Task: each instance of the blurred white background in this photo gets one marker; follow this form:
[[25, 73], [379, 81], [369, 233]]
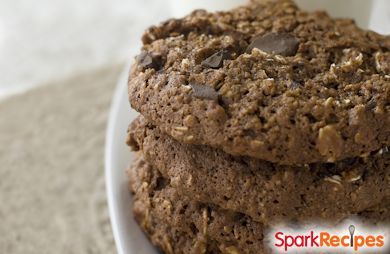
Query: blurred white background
[[45, 40]]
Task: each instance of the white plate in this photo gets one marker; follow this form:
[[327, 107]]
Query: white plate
[[129, 238]]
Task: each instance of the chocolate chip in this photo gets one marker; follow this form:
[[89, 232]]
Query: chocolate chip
[[215, 61], [277, 43], [147, 61], [204, 92], [161, 183]]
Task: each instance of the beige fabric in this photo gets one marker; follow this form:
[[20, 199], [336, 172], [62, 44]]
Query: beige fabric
[[52, 197]]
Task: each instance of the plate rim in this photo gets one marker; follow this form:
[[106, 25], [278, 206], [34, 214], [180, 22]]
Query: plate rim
[[108, 156]]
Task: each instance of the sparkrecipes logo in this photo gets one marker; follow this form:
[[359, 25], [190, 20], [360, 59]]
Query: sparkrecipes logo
[[346, 238]]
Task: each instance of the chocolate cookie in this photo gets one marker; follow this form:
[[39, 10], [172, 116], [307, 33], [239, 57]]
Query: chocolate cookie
[[267, 192], [177, 224], [377, 214], [267, 80]]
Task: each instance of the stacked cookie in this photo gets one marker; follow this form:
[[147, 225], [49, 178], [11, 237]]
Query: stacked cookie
[[259, 116]]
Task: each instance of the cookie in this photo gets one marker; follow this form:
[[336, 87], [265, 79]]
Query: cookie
[[377, 214], [177, 224], [161, 210], [267, 80], [266, 192]]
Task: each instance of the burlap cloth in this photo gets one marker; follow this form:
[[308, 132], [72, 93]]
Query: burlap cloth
[[52, 195]]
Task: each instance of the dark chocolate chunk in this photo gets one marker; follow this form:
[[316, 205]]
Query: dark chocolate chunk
[[204, 92], [277, 43], [147, 60], [215, 61]]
